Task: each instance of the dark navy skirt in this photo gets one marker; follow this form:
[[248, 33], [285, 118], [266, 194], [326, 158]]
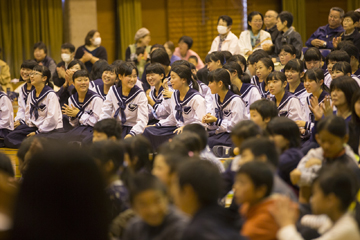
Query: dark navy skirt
[[222, 139], [3, 134], [125, 131], [159, 135], [83, 134]]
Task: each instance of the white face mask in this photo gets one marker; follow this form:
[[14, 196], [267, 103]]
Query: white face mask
[[66, 57], [222, 29], [97, 41]]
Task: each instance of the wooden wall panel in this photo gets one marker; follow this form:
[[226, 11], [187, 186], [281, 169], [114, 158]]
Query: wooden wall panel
[[106, 13]]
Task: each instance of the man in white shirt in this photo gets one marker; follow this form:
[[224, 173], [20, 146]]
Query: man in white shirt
[[226, 40]]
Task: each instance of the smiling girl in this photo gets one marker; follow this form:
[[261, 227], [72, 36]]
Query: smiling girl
[[109, 78], [294, 72], [126, 102], [263, 68]]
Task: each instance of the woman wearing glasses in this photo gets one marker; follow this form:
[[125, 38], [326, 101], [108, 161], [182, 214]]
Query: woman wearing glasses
[[254, 38]]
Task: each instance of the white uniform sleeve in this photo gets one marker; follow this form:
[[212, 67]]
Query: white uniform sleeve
[[53, 114], [208, 98], [90, 119], [7, 114], [237, 114], [288, 233], [74, 121], [295, 111], [170, 120], [308, 174], [27, 113], [107, 107], [142, 115], [20, 115], [200, 107], [254, 95]]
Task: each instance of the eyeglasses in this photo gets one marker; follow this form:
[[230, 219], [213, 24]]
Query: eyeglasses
[[284, 54], [348, 20], [257, 21], [34, 73]]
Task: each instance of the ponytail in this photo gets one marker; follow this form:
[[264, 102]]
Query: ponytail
[[223, 75], [195, 84], [235, 89]]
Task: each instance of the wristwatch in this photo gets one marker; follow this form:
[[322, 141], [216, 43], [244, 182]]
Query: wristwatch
[[324, 45]]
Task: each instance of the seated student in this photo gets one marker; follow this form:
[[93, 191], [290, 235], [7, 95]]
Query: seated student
[[203, 72], [248, 92], [287, 34], [251, 64], [43, 113], [117, 64], [191, 142], [253, 186], [41, 57], [287, 104], [286, 136], [170, 48], [351, 19], [294, 72], [314, 85], [343, 69], [193, 60], [331, 59], [67, 55], [109, 156], [107, 129], [263, 68], [217, 60], [226, 40], [229, 108], [109, 78], [287, 53], [6, 116], [25, 70], [187, 106], [227, 55], [239, 59], [313, 58], [184, 52], [196, 190], [83, 110], [354, 55], [156, 219], [332, 193], [97, 70], [160, 56], [127, 102], [332, 136], [262, 111], [206, 153], [160, 105]]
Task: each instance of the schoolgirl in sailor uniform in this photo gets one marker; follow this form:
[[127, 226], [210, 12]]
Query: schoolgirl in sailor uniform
[[343, 69], [159, 105], [248, 92], [43, 114], [187, 107], [263, 68], [26, 68], [6, 117], [108, 79], [126, 102], [294, 72], [288, 105], [229, 108], [84, 109]]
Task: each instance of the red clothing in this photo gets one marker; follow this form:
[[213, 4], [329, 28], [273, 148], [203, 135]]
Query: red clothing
[[189, 53], [259, 223]]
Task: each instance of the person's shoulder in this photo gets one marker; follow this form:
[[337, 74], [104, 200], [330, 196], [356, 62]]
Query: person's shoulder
[[245, 32]]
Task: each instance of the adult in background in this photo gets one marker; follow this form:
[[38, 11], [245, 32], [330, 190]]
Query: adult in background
[[323, 36], [226, 40], [184, 50], [92, 50], [254, 38], [4, 74], [270, 20], [351, 19], [170, 48], [142, 39], [67, 55], [41, 57]]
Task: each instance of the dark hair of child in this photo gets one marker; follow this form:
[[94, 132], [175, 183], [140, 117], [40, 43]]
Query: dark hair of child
[[126, 69], [173, 148], [185, 72], [354, 117], [193, 57], [334, 125], [68, 46], [160, 56], [313, 54], [191, 141], [256, 56], [106, 151], [28, 64], [223, 75], [262, 146], [218, 56], [350, 49], [288, 48], [6, 165], [338, 56], [111, 127], [98, 69], [80, 73], [200, 131], [347, 85], [260, 174], [239, 59], [316, 74], [227, 55], [295, 64], [205, 179], [140, 50], [287, 128], [267, 63], [266, 108], [207, 59], [111, 68], [144, 182], [76, 61], [276, 76], [45, 73], [343, 67], [235, 67], [286, 16], [157, 46], [188, 40], [140, 153], [246, 129], [156, 68]]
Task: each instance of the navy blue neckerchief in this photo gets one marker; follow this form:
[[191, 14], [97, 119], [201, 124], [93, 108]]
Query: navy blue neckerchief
[[219, 110], [286, 98], [357, 73], [124, 100], [90, 95], [245, 89], [180, 104], [299, 90], [157, 98], [2, 94], [261, 87], [34, 104], [100, 90], [26, 92], [321, 99]]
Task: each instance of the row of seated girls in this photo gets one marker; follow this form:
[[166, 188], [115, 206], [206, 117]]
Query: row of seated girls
[[177, 97]]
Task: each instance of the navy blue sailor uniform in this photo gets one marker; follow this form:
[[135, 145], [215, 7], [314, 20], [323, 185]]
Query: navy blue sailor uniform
[[228, 114], [300, 93], [261, 86], [88, 116], [310, 121], [131, 110], [6, 117], [43, 116], [290, 107], [249, 93], [190, 110], [22, 100]]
